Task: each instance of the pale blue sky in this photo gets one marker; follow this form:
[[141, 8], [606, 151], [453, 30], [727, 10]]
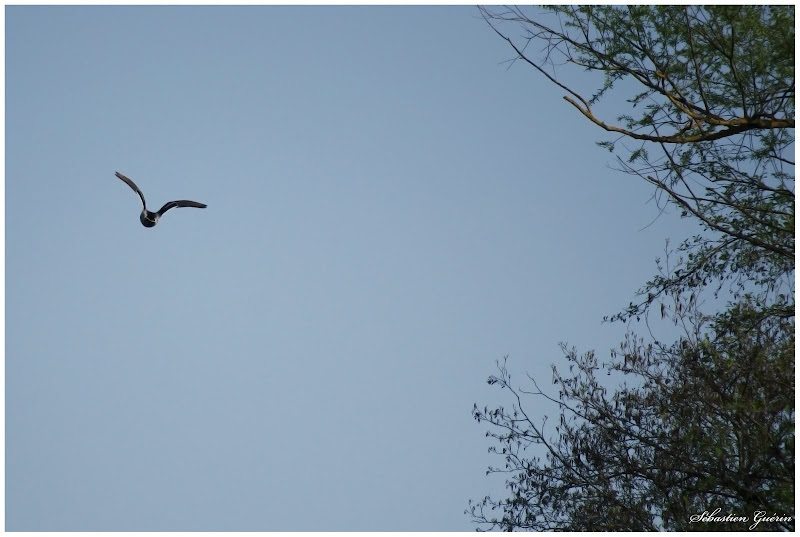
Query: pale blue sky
[[390, 210]]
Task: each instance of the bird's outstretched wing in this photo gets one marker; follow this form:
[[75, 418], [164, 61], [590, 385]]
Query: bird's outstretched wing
[[133, 186], [180, 203]]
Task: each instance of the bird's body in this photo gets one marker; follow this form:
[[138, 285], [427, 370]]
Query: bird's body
[[149, 218]]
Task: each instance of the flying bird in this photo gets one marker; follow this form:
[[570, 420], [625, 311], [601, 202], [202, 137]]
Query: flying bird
[[148, 218]]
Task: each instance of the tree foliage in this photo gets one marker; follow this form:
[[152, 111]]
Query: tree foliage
[[706, 421]]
